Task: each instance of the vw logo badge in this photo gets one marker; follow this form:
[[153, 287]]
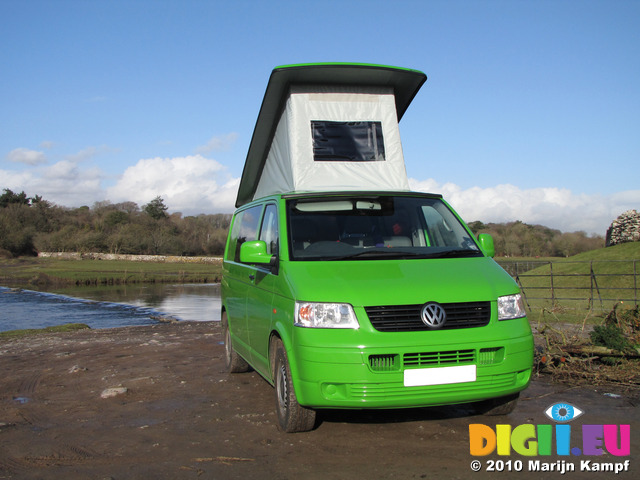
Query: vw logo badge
[[433, 315]]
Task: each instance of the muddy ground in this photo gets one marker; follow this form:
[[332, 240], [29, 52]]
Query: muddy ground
[[183, 417]]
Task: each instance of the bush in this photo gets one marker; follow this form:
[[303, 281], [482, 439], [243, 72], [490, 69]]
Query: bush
[[610, 336]]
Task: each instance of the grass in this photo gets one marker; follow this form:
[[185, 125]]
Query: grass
[[67, 327], [613, 270], [61, 272], [587, 285]]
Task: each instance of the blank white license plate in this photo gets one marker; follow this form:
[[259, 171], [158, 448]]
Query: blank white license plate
[[439, 376]]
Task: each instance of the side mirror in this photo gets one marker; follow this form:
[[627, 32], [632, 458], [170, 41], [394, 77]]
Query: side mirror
[[254, 251], [486, 244]]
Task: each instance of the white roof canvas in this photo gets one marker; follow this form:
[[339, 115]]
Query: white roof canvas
[[291, 164], [330, 127]]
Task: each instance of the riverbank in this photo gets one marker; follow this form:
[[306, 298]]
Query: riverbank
[[67, 327], [76, 269], [156, 402]]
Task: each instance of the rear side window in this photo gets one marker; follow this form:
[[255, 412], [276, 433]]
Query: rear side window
[[245, 228], [347, 141]]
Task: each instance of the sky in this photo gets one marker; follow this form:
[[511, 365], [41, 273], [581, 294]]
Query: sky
[[531, 110]]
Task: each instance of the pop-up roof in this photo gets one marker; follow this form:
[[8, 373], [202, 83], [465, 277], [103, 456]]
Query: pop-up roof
[[329, 127]]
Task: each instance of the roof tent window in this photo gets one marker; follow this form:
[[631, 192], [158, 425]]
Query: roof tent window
[[347, 141]]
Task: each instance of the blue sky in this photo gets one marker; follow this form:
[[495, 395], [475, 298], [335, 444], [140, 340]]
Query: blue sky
[[531, 110]]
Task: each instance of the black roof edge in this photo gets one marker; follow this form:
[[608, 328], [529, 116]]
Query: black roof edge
[[361, 193]]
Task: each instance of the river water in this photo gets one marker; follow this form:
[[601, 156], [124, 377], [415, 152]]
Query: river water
[[108, 307]]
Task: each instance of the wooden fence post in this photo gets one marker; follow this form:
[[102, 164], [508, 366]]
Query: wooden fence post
[[553, 294], [595, 281], [635, 282]]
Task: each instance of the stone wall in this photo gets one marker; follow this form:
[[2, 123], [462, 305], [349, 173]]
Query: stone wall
[[625, 228], [131, 258]]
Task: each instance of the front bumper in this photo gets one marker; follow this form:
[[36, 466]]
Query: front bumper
[[373, 377]]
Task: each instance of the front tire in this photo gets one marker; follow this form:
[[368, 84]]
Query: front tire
[[233, 362], [292, 417]]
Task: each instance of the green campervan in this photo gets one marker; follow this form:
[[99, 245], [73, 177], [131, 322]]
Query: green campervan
[[343, 288]]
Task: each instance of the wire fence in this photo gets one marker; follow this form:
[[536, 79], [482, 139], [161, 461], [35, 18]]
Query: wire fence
[[587, 285]]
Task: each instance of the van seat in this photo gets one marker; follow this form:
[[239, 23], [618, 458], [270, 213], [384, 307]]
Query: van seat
[[304, 233], [397, 241], [358, 231]]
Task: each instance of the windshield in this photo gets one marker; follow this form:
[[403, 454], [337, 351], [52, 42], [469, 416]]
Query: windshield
[[375, 227]]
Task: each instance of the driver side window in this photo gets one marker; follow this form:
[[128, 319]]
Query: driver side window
[[245, 228], [269, 230]]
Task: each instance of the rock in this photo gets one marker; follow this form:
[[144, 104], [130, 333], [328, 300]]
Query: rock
[[625, 228], [113, 392], [164, 318]]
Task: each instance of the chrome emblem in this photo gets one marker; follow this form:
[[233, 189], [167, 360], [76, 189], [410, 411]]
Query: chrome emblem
[[433, 315]]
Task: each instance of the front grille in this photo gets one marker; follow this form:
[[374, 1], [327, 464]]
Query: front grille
[[447, 358], [406, 318], [384, 363], [490, 356]]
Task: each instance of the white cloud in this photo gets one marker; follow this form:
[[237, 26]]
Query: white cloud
[[63, 183], [196, 184], [191, 185], [26, 156], [550, 206], [218, 143], [16, 181], [87, 153]]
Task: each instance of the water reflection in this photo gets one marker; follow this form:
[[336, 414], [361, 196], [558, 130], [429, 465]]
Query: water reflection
[[106, 307], [194, 302]]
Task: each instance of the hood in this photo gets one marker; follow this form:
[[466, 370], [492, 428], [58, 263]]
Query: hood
[[398, 282]]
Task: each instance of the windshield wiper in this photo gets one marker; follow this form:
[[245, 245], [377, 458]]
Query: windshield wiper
[[458, 252], [395, 253], [386, 253]]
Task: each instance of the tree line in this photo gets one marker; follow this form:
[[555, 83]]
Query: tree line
[[32, 224], [29, 225], [517, 239]]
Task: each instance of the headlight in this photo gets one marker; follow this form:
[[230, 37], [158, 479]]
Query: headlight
[[325, 315], [511, 307]]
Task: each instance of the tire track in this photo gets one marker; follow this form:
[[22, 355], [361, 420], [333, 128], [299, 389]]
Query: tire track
[[29, 385], [64, 455], [24, 399], [11, 466]]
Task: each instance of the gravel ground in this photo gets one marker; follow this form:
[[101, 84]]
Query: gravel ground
[[156, 402]]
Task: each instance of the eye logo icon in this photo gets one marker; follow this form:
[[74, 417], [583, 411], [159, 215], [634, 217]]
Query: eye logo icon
[[563, 412]]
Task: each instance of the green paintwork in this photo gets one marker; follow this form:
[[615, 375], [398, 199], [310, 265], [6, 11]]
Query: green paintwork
[[435, 259], [330, 367], [254, 252], [486, 243]]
